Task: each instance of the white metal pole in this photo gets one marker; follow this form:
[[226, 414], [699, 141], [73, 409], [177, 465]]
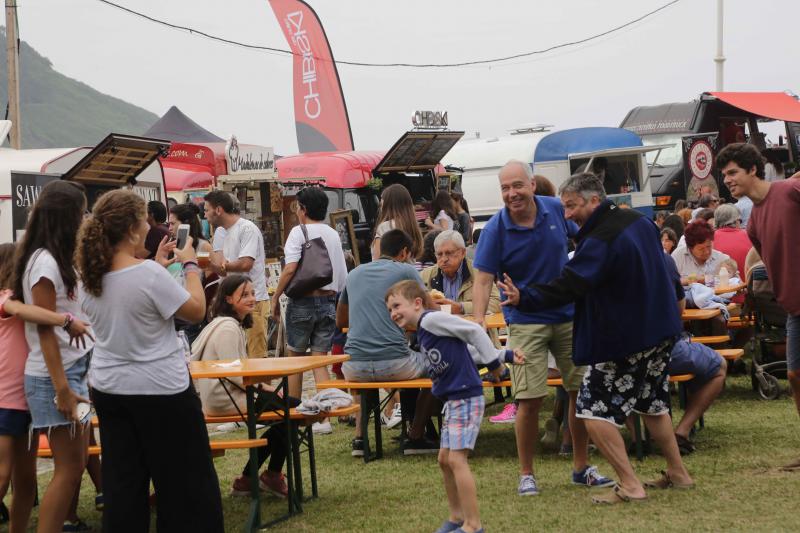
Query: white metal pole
[[720, 58]]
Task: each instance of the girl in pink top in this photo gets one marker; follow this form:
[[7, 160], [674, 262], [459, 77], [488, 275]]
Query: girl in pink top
[[14, 417]]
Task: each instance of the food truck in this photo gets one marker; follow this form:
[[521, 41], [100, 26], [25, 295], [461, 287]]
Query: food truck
[[117, 161], [616, 154], [695, 132]]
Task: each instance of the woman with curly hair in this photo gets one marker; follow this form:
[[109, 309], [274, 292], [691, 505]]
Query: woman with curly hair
[[44, 275], [397, 212], [151, 422]]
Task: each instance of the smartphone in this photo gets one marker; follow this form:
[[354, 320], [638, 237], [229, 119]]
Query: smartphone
[[183, 233]]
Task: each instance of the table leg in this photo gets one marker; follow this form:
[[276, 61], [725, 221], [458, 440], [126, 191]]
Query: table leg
[[377, 420], [298, 473], [290, 478], [365, 411], [254, 519], [312, 461]]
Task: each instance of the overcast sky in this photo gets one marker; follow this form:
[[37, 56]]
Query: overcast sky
[[667, 57]]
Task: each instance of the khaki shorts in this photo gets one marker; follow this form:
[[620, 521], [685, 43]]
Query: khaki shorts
[[257, 334], [529, 379]]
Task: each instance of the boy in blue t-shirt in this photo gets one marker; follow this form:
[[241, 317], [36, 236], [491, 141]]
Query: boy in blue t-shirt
[[452, 346]]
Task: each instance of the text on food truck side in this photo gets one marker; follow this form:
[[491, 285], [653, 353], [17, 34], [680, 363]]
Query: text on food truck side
[[27, 194], [313, 106]]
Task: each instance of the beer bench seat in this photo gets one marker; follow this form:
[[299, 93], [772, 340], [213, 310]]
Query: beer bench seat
[[731, 354], [294, 414], [371, 404], [710, 339], [218, 447]]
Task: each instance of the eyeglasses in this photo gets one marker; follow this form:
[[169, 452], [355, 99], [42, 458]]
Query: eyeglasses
[[447, 255]]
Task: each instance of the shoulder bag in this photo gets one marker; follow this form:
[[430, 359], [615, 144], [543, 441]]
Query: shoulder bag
[[314, 269]]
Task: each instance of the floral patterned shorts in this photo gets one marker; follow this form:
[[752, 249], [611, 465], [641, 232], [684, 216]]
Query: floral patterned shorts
[[612, 390]]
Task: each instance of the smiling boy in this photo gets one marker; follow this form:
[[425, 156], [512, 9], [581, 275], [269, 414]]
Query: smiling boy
[[452, 346]]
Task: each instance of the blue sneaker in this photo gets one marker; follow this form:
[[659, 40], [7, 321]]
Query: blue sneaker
[[591, 477], [527, 486], [448, 526]]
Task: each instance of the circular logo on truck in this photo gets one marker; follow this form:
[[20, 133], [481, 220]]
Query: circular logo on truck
[[701, 159]]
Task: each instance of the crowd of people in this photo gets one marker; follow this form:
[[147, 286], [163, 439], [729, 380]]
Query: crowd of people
[[101, 307]]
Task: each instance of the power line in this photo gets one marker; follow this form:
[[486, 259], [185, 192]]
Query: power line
[[406, 65]]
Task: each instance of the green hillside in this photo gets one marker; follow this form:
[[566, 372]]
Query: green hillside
[[59, 112]]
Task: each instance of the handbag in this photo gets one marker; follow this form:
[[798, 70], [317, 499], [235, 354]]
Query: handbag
[[314, 269]]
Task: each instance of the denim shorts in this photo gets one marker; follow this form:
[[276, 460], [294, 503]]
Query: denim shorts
[[14, 422], [694, 358], [412, 367], [462, 421], [40, 394], [793, 342], [311, 323]]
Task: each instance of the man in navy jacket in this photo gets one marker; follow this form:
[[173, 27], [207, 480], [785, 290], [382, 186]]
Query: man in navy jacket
[[626, 320]]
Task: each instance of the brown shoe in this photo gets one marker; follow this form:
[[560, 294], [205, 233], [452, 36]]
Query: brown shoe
[[614, 496], [666, 482]]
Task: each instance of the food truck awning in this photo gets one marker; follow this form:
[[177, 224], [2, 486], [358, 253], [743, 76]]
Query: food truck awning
[[181, 176], [341, 170], [560, 145], [117, 160], [418, 151], [778, 106]]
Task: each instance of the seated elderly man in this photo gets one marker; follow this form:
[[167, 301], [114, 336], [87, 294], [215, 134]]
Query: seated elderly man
[[454, 276]]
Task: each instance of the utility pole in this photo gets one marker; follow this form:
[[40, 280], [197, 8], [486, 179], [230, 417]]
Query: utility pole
[[719, 59], [12, 54]]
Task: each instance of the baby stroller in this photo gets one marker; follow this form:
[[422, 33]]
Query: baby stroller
[[769, 341]]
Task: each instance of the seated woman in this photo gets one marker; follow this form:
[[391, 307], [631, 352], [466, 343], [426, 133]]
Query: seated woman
[[224, 338], [698, 258]]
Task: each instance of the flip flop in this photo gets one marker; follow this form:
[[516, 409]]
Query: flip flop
[[615, 496], [794, 466], [665, 482]]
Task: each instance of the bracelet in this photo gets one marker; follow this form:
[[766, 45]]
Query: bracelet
[[189, 268], [67, 321], [190, 262]]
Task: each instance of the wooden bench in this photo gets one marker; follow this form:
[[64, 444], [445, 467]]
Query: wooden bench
[[294, 414], [731, 354], [710, 339], [371, 405], [739, 322], [218, 447]]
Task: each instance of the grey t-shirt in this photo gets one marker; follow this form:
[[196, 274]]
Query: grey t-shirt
[[137, 350], [372, 336]]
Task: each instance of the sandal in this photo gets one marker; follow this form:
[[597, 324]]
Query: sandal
[[615, 496], [794, 466], [685, 446], [665, 482]]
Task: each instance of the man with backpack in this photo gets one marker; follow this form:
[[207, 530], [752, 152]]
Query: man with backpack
[[772, 230]]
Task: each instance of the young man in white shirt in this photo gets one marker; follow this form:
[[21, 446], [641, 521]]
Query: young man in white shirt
[[242, 251]]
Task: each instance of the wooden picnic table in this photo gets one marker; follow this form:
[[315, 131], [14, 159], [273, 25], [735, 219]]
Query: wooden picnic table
[[699, 314], [493, 321], [731, 288], [252, 372]]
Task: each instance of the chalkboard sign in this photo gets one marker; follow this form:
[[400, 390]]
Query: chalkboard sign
[[342, 222], [443, 182]]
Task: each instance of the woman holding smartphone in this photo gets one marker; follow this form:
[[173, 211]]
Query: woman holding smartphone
[[151, 422]]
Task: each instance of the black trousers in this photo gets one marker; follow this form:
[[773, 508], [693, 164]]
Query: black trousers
[[163, 439], [275, 449]]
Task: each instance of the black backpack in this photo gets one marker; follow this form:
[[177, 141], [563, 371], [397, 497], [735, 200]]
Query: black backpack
[[761, 301]]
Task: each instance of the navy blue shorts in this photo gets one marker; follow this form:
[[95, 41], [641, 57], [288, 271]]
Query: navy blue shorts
[[694, 358], [14, 422]]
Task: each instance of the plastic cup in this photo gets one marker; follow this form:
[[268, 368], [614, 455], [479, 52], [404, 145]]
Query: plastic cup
[[445, 309]]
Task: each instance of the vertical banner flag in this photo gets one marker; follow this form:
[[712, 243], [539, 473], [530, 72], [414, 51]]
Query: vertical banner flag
[[321, 120]]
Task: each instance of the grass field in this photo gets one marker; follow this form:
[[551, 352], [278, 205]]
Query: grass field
[[739, 487]]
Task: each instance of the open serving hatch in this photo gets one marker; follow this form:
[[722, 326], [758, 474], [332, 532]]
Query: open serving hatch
[[117, 160], [418, 151]]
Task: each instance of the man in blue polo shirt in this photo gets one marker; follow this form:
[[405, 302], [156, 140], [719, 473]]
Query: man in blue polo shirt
[[528, 240]]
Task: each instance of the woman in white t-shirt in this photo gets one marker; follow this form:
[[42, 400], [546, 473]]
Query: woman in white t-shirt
[[311, 318], [151, 422], [441, 215], [55, 371], [397, 212]]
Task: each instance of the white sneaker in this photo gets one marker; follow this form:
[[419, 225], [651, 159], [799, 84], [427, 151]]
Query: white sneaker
[[322, 428], [228, 427], [394, 420]]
